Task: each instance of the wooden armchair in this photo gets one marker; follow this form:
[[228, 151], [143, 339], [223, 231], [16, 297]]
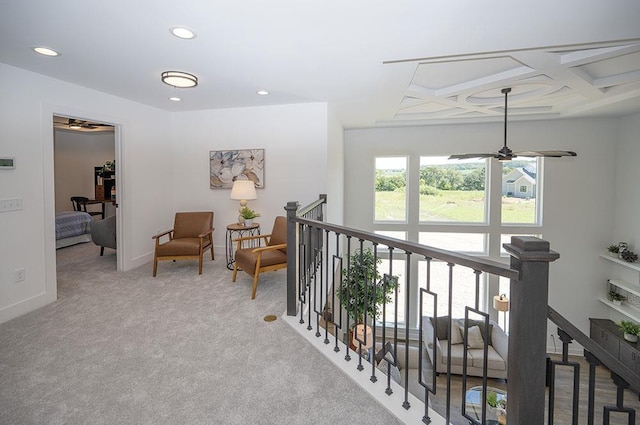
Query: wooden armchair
[[271, 257], [191, 236]]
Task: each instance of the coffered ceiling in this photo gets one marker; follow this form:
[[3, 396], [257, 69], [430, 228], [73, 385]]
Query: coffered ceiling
[[375, 63], [546, 83]]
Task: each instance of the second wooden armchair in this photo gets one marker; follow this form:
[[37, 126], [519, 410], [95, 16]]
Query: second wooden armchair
[[256, 260]]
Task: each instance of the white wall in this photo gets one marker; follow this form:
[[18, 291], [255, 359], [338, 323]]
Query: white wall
[[578, 194], [335, 171], [295, 141], [75, 156], [28, 236], [627, 180]]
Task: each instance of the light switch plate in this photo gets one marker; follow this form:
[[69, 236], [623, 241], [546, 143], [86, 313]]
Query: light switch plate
[[7, 205]]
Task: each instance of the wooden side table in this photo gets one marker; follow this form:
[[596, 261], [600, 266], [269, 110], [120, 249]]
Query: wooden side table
[[235, 231]]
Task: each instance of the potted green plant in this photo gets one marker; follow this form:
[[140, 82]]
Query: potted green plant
[[362, 290], [248, 214], [615, 297], [630, 329], [613, 250]]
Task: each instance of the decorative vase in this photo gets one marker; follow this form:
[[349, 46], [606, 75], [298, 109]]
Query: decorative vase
[[248, 222], [631, 337]]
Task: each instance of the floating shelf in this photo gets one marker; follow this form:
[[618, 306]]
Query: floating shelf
[[632, 266], [625, 309], [629, 287]]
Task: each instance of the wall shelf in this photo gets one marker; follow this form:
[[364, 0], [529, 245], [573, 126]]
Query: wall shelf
[[629, 287], [627, 310], [632, 266]]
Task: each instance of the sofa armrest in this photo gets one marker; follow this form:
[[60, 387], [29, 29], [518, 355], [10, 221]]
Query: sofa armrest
[[500, 342], [428, 332]]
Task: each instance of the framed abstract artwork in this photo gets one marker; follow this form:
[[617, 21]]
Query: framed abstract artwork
[[227, 166]]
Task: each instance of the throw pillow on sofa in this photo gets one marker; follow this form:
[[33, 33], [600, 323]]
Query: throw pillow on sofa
[[475, 339], [387, 367]]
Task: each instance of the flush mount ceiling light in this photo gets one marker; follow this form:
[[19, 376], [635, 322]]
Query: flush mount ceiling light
[[179, 79], [175, 99], [45, 51], [262, 92], [182, 32]]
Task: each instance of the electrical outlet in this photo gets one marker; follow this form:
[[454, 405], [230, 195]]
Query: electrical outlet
[[18, 275]]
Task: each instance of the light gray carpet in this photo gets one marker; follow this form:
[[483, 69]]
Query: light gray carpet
[[127, 348]]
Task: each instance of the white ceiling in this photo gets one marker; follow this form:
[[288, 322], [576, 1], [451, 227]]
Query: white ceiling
[[377, 63]]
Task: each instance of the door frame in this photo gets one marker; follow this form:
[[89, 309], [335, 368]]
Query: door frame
[[48, 111]]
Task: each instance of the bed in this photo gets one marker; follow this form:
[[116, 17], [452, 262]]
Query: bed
[[72, 227]]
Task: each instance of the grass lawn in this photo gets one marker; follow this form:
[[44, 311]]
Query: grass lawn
[[453, 205]]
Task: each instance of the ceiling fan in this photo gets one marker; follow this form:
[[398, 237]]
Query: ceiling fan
[[506, 154], [78, 124]]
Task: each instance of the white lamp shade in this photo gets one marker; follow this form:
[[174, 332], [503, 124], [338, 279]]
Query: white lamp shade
[[243, 190], [501, 303]]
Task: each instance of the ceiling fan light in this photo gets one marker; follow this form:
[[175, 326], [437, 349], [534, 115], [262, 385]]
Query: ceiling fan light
[[179, 79]]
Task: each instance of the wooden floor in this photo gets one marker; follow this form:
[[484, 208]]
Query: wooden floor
[[605, 394]]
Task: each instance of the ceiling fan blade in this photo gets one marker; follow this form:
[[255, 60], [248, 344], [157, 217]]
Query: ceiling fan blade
[[548, 154], [474, 155]]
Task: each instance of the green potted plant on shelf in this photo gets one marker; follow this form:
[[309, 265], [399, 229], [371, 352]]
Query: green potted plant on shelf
[[630, 329], [615, 297], [248, 214], [363, 291], [613, 250]]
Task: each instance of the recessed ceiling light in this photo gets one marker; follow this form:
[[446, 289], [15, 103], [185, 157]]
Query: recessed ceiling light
[[175, 99], [183, 32], [262, 92], [179, 79], [45, 51]]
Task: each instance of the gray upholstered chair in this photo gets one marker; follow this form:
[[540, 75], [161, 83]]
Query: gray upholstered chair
[[256, 260], [103, 233], [190, 238]]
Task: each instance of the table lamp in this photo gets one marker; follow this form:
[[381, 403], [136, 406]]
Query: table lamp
[[501, 303], [243, 190]]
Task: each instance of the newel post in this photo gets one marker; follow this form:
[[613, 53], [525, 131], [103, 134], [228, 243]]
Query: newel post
[[529, 299], [292, 260]]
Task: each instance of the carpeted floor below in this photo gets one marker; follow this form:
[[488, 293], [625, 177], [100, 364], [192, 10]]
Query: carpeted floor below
[[127, 348]]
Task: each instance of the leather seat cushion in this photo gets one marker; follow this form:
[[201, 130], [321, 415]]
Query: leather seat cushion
[[183, 246], [246, 259]]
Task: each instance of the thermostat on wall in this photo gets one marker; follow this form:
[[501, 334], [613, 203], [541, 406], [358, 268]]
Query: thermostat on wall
[[7, 163]]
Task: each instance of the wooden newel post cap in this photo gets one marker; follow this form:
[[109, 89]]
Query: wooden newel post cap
[[530, 248]]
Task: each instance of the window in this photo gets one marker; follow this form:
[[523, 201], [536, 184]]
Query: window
[[452, 190], [448, 205], [520, 206], [390, 189]]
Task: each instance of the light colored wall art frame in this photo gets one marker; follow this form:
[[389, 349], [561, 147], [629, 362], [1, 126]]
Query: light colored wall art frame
[[227, 166]]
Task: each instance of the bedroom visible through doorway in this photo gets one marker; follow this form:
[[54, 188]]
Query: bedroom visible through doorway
[[84, 153]]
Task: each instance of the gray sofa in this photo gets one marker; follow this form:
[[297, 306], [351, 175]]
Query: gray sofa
[[498, 352], [103, 233]]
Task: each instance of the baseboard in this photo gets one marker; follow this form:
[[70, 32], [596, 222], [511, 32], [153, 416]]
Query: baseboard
[[25, 306]]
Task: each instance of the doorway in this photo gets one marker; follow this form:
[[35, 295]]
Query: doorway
[[85, 157]]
